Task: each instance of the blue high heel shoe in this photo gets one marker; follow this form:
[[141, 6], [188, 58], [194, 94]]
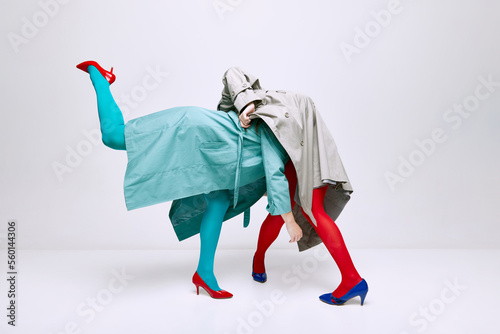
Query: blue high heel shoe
[[360, 289], [261, 278], [258, 277]]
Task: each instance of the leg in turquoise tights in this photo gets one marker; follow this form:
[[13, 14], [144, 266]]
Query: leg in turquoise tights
[[211, 224], [110, 115], [113, 136]]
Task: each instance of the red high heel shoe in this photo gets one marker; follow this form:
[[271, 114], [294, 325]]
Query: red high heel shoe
[[221, 294], [108, 75]]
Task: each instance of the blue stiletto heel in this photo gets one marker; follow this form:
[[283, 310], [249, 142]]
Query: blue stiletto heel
[[258, 277], [360, 289]]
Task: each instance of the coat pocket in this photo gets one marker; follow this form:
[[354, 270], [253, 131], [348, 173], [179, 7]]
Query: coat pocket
[[218, 153]]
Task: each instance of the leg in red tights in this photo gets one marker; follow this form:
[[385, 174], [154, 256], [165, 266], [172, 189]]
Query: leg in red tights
[[332, 238], [326, 229], [272, 225]]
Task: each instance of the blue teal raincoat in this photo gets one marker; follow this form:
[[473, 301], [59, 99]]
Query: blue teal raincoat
[[182, 153]]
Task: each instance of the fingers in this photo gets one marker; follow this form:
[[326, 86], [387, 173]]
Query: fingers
[[245, 120], [250, 108], [295, 236], [245, 126]]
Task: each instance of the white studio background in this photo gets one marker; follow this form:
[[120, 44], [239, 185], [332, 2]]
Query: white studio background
[[389, 78]]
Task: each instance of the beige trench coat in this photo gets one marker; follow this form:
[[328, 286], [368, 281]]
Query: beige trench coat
[[298, 126]]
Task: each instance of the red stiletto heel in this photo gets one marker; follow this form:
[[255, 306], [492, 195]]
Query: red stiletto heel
[[221, 294], [108, 75]]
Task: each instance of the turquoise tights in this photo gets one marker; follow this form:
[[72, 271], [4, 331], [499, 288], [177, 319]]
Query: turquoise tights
[[211, 224], [113, 136], [110, 115]]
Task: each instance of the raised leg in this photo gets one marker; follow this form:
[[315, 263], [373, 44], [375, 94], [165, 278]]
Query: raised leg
[[211, 224], [110, 115]]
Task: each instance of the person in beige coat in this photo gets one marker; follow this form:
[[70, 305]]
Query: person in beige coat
[[319, 186]]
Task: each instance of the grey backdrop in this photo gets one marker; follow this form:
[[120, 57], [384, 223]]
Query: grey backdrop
[[409, 89]]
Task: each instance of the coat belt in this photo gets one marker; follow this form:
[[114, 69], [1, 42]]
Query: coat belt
[[239, 160]]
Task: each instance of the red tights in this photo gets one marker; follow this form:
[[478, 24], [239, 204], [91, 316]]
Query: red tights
[[326, 229]]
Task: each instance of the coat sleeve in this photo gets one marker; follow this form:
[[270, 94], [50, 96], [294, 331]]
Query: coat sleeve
[[238, 90], [278, 195]]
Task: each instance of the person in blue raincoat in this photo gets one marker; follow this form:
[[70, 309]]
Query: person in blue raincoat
[[204, 161]]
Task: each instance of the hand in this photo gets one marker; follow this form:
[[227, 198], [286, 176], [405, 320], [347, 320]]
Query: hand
[[294, 231], [244, 119], [292, 227]]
